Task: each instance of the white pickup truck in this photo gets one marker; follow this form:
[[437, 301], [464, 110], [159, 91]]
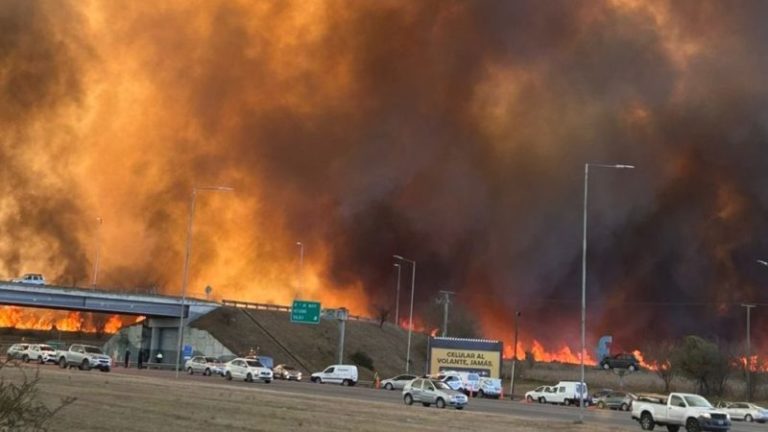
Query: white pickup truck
[[690, 411], [84, 357]]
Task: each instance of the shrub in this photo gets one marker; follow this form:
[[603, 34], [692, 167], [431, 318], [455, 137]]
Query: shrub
[[362, 359], [20, 407]]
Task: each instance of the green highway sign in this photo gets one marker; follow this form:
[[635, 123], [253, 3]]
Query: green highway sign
[[305, 312]]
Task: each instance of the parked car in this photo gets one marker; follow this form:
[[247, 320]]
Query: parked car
[[247, 369], [345, 375], [569, 393], [745, 411], [16, 351], [621, 401], [397, 382], [429, 392], [204, 365], [690, 411], [453, 379], [287, 372], [539, 394], [30, 278], [84, 357], [40, 353], [620, 361], [267, 361], [489, 388]]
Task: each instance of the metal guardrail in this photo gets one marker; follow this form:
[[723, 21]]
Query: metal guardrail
[[282, 308]]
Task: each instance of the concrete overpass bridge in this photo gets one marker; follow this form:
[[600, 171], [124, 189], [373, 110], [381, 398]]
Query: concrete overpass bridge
[[158, 333]]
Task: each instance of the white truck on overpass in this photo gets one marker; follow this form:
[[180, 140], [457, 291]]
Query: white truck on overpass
[[690, 411]]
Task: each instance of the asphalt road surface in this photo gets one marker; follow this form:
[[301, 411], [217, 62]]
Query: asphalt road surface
[[519, 409]]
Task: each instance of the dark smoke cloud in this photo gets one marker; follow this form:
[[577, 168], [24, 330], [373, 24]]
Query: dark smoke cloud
[[453, 133]]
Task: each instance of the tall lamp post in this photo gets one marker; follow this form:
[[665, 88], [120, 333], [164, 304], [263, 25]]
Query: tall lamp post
[[397, 296], [410, 314], [185, 278], [301, 264], [98, 252], [584, 279], [514, 360]]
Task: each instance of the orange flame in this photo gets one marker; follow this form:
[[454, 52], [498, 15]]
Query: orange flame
[[36, 319]]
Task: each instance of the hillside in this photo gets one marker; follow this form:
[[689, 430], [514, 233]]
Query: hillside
[[313, 347]]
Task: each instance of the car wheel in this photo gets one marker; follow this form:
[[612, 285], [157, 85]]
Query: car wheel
[[25, 358], [228, 376], [62, 363], [40, 360], [440, 403], [389, 386], [529, 399], [692, 425], [207, 372], [632, 368], [345, 383], [606, 366], [190, 371], [85, 365], [480, 394], [624, 407], [748, 418], [408, 399], [320, 380], [567, 402], [646, 422], [601, 405], [249, 378], [542, 400]]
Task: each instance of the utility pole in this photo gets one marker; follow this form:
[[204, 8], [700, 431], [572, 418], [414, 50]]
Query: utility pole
[[514, 361], [397, 296], [445, 300], [341, 315], [748, 307]]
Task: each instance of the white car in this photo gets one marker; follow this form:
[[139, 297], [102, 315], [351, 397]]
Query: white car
[[345, 375], [30, 278], [16, 351], [398, 382], [745, 411], [539, 394], [40, 353], [203, 365], [429, 391], [490, 388], [248, 370]]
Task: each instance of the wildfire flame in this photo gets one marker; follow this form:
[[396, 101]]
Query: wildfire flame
[[34, 319]]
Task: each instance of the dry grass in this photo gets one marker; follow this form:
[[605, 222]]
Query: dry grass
[[138, 403]]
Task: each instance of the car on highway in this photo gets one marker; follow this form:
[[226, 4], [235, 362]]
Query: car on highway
[[744, 411], [287, 372], [615, 400], [568, 393], [249, 370], [16, 351], [30, 278], [204, 365], [539, 394], [41, 353], [686, 410], [84, 357], [397, 382], [345, 375], [620, 361], [489, 388], [433, 392]]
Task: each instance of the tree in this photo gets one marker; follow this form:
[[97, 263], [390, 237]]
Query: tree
[[659, 356], [382, 313], [703, 362]]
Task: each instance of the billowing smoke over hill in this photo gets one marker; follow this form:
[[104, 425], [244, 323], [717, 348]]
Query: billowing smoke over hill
[[453, 133]]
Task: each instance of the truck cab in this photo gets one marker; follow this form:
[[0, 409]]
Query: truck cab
[[687, 410]]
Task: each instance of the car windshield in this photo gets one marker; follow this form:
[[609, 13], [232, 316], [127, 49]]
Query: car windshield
[[93, 350], [697, 402], [441, 385], [46, 348], [254, 363], [211, 360]]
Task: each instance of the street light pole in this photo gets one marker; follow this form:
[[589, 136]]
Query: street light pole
[[410, 314], [185, 277], [749, 351], [397, 296], [514, 361], [301, 264], [584, 280], [98, 252]]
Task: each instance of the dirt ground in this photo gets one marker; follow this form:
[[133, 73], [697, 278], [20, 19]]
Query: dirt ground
[[135, 403]]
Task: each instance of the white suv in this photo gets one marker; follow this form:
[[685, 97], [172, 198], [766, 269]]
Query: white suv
[[30, 278], [248, 370], [41, 353]]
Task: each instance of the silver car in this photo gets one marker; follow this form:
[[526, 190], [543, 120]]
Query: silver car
[[745, 411], [398, 382], [428, 392], [286, 372], [203, 365], [17, 351]]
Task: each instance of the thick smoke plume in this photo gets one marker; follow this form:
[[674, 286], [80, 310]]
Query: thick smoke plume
[[453, 133]]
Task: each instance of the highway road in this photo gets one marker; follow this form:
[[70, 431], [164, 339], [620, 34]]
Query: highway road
[[518, 409]]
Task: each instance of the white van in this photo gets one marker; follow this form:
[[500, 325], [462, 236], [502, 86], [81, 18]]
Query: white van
[[466, 382], [569, 393], [345, 375]]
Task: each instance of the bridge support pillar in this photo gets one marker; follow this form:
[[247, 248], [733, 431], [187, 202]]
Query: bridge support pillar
[[154, 343]]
